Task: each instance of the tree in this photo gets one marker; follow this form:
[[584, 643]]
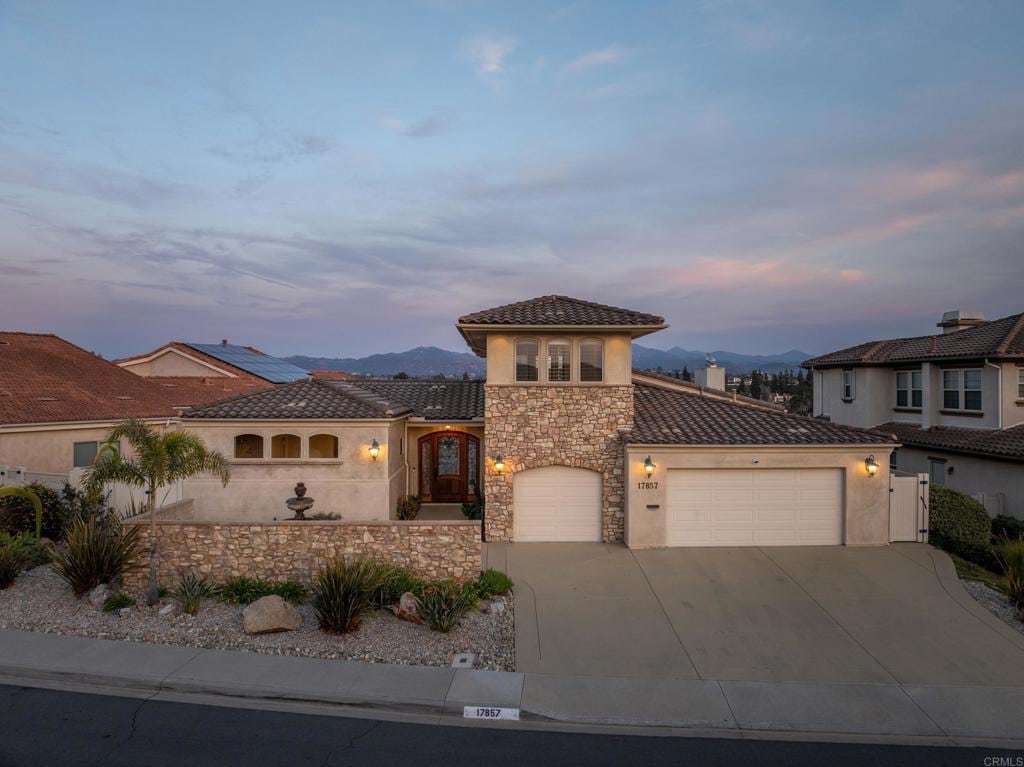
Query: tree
[[158, 460], [687, 375], [755, 384], [402, 376], [465, 375]]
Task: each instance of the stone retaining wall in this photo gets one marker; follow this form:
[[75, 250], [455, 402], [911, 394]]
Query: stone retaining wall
[[297, 550]]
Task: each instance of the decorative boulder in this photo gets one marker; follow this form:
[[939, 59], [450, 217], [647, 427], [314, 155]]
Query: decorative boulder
[[270, 614], [99, 595], [408, 608]]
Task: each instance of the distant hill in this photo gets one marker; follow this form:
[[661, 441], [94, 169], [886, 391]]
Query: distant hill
[[429, 361]]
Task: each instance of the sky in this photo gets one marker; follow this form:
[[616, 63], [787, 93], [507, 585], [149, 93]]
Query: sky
[[339, 179]]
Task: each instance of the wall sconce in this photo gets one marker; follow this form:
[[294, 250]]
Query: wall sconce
[[374, 449], [871, 465], [499, 464], [649, 467]]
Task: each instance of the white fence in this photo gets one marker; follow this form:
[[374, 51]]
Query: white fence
[[908, 507]]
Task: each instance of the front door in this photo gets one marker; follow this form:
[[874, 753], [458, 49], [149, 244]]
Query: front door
[[449, 463]]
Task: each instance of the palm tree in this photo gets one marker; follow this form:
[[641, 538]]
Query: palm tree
[[158, 460]]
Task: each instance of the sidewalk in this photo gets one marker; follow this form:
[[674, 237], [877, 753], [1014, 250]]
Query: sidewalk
[[953, 715]]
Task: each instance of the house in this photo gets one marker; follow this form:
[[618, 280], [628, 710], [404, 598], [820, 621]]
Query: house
[[563, 440], [955, 400]]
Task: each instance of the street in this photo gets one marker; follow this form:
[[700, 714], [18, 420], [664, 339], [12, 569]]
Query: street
[[64, 729]]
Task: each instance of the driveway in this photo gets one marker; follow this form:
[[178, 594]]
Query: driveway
[[894, 614]]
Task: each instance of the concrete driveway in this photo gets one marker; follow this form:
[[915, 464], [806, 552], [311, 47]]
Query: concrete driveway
[[893, 614]]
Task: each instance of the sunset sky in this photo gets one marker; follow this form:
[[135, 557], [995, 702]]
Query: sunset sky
[[339, 179]]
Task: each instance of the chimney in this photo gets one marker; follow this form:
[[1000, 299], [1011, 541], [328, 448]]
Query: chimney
[[711, 376], [960, 319], [223, 342]]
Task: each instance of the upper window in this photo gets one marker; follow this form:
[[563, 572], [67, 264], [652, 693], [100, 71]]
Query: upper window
[[848, 384], [592, 360], [85, 454], [908, 389], [248, 446], [285, 446], [527, 350], [961, 389], [559, 361], [1020, 384], [323, 446]]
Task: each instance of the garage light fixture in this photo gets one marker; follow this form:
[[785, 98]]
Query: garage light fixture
[[499, 463], [649, 466], [374, 449], [871, 465]]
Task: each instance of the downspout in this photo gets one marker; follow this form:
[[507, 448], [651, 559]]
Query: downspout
[[999, 392]]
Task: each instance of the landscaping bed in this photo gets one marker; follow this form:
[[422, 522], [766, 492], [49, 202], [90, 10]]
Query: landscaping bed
[[40, 601], [996, 602]]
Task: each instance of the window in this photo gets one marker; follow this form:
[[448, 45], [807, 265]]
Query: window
[[559, 361], [85, 454], [323, 446], [248, 446], [908, 389], [848, 381], [527, 351], [285, 446], [937, 471], [961, 389], [592, 360], [1020, 384]]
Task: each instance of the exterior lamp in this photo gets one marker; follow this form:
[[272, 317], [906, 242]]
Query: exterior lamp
[[871, 465], [649, 467], [499, 463], [374, 449]]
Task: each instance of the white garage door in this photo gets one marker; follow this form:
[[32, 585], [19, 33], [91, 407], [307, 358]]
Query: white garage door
[[755, 507], [556, 503]]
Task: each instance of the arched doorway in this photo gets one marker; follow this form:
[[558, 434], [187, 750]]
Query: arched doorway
[[449, 467]]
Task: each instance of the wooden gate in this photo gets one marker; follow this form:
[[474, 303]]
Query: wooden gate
[[908, 507]]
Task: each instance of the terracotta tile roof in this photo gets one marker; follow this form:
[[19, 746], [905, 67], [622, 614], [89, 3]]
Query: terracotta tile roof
[[669, 417], [1000, 338], [998, 443], [640, 376], [560, 310], [242, 361], [45, 379], [194, 391], [434, 400], [310, 399], [186, 349], [338, 375]]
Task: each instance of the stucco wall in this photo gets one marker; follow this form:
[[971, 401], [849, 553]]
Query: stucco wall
[[352, 485], [534, 426], [973, 475], [618, 357], [866, 513], [50, 449], [297, 550], [172, 364]]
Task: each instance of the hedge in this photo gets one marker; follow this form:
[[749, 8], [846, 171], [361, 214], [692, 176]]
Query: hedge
[[960, 525]]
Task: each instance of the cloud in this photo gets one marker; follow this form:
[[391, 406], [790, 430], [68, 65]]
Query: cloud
[[488, 54], [274, 151], [599, 57], [424, 128]]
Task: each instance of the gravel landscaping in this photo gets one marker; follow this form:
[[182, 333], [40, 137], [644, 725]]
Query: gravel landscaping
[[996, 602], [40, 601]]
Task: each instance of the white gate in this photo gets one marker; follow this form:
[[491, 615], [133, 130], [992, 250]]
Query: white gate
[[908, 507]]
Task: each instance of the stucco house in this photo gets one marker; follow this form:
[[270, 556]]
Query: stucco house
[[563, 440], [955, 400], [241, 368]]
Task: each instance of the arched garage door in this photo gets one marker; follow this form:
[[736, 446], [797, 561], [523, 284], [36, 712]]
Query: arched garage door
[[556, 503]]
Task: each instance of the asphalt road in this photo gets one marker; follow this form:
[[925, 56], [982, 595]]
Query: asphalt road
[[46, 727]]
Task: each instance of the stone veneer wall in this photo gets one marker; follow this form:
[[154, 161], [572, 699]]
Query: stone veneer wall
[[535, 426], [297, 550]]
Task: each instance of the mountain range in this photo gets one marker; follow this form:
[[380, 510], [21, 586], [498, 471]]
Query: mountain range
[[428, 361]]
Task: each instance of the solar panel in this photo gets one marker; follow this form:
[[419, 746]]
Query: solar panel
[[269, 368]]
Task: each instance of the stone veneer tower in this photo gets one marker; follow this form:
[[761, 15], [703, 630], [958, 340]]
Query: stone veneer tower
[[559, 392]]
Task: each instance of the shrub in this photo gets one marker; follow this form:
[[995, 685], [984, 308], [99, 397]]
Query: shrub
[[16, 552], [473, 510], [17, 515], [408, 507], [1004, 527], [97, 551], [443, 603], [343, 591], [493, 583], [191, 591], [1011, 555], [244, 591], [395, 580], [117, 602], [960, 525]]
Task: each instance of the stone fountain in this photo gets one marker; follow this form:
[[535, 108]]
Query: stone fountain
[[300, 504]]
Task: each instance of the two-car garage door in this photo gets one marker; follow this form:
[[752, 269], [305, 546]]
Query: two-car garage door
[[754, 507]]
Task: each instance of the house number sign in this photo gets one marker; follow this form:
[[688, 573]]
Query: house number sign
[[646, 485]]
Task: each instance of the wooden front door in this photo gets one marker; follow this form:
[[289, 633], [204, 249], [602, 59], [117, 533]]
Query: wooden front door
[[449, 466]]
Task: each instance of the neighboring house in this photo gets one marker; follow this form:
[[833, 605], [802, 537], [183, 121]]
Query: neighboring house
[[954, 400], [564, 441]]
